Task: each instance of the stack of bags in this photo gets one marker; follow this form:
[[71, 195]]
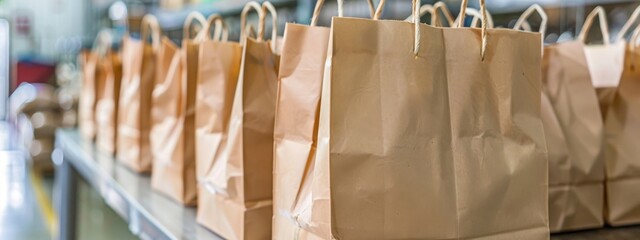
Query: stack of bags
[[41, 112], [68, 91], [351, 132], [373, 128], [97, 108], [589, 105], [421, 133]]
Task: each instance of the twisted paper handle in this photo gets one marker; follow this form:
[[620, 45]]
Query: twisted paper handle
[[221, 32], [378, 11], [188, 23], [527, 13], [483, 11], [435, 17], [253, 5], [416, 23]]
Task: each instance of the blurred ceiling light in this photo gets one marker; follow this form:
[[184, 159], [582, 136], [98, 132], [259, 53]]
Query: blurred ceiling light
[[118, 11]]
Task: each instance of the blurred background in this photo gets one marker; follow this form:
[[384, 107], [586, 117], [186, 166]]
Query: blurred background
[[40, 41]]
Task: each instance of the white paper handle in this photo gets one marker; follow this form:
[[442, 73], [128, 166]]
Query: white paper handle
[[424, 9], [103, 42], [416, 23], [527, 13], [476, 18], [221, 32], [378, 12], [598, 11], [433, 10], [625, 28], [188, 22], [435, 21]]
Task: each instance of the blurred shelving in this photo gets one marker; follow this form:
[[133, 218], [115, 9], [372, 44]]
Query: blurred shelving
[[171, 19]]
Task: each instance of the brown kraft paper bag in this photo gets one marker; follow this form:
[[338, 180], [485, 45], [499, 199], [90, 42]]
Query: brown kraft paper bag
[[88, 94], [134, 112], [300, 77], [94, 75], [622, 152], [107, 103], [304, 52], [576, 190], [557, 149], [217, 77], [418, 139], [238, 186], [173, 130]]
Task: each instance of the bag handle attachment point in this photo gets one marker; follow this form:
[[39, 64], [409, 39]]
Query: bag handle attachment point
[[483, 33]]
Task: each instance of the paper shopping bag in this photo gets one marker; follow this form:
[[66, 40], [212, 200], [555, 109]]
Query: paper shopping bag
[[107, 103], [217, 77], [87, 100], [93, 78], [300, 77], [296, 119], [218, 73], [418, 139], [557, 149], [622, 152], [576, 196], [134, 111], [238, 187], [173, 130]]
